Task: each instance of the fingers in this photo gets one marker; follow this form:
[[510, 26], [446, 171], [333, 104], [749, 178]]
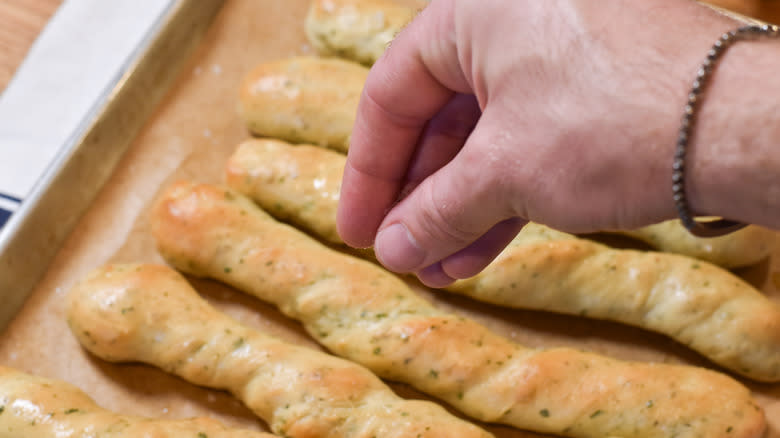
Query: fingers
[[469, 261], [442, 138], [474, 258], [452, 208], [401, 94]]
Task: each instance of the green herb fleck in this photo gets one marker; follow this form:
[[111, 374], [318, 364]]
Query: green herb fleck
[[239, 342], [649, 404], [127, 309], [434, 374], [729, 429], [228, 269], [377, 351], [381, 315], [404, 414], [695, 266], [460, 395], [71, 411], [544, 413], [2, 409], [202, 435], [596, 414]]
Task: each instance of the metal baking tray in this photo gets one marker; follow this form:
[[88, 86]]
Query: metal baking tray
[[83, 163], [70, 187]]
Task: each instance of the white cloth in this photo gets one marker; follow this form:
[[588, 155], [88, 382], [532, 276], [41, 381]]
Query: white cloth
[[69, 72]]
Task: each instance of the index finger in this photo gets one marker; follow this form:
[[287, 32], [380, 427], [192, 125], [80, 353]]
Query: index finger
[[402, 92]]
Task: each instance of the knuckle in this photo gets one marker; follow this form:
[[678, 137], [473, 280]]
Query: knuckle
[[442, 217]]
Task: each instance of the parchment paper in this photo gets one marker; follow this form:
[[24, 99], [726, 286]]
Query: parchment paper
[[191, 135]]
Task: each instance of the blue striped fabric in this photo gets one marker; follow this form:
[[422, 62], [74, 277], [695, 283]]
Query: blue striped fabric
[[8, 205]]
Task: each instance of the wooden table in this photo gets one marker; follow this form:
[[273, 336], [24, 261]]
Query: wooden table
[[20, 23], [22, 20]]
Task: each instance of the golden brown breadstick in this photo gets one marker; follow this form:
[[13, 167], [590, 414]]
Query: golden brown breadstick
[[303, 100], [700, 305], [745, 247], [709, 309], [36, 407], [299, 184], [359, 30], [151, 314], [366, 314]]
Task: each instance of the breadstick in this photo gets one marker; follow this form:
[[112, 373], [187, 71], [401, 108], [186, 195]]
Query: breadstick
[[700, 305], [36, 407], [745, 247], [363, 313], [151, 314], [706, 308], [359, 30], [299, 184], [303, 100]]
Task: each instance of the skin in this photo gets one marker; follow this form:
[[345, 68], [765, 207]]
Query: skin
[[482, 116]]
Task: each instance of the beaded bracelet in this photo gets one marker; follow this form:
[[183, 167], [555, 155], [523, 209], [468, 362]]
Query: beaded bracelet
[[721, 226]]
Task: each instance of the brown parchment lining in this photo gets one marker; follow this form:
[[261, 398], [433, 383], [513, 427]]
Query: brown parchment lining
[[190, 136]]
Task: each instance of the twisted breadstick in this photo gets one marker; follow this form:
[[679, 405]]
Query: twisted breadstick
[[150, 314], [745, 247], [35, 407], [699, 305], [359, 30], [363, 313], [299, 184], [310, 100]]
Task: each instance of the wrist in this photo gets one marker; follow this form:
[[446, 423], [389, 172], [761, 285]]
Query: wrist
[[733, 161]]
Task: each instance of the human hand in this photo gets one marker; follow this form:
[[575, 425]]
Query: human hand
[[485, 114]]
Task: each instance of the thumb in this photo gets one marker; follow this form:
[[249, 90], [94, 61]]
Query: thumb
[[453, 208]]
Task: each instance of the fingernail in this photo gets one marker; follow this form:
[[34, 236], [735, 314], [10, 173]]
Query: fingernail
[[397, 250]]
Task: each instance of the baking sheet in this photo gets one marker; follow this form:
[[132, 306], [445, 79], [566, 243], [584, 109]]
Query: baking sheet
[[90, 142], [190, 136]]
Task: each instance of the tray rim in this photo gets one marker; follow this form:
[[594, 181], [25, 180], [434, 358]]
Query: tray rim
[[35, 233]]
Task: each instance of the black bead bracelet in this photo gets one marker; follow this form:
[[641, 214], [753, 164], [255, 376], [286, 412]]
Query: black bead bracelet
[[711, 228]]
